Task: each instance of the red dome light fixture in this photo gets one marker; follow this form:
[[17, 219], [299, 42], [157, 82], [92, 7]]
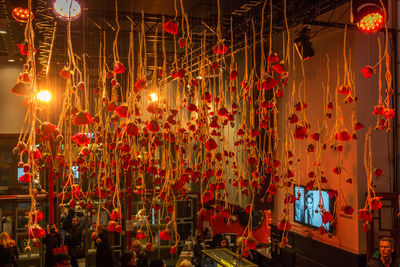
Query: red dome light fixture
[[21, 14], [67, 10], [370, 15]]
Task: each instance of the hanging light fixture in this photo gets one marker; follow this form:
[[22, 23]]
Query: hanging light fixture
[[303, 43], [67, 9], [370, 15], [21, 14]]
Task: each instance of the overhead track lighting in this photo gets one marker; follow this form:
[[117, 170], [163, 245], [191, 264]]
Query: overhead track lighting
[[67, 10], [370, 15], [303, 43]]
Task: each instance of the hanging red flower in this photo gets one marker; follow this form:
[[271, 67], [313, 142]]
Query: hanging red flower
[[293, 119], [116, 215], [358, 126], [366, 227], [23, 49], [300, 106], [375, 203], [122, 111], [182, 42], [208, 196], [344, 90], [268, 84], [131, 129], [250, 242], [326, 217], [20, 89], [273, 58], [348, 210], [378, 172], [251, 160], [233, 75], [285, 225], [337, 170], [223, 112], [378, 110], [389, 113], [173, 250], [211, 144], [65, 73], [181, 73], [119, 68], [26, 178], [140, 85], [192, 108], [220, 49], [279, 93], [279, 68], [35, 231], [171, 27], [367, 71], [153, 126], [315, 136], [165, 235], [343, 136], [272, 189], [310, 185], [81, 139], [332, 193], [300, 132], [214, 65], [82, 118], [364, 215]]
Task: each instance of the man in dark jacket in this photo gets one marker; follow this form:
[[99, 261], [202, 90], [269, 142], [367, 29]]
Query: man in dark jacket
[[73, 239], [52, 240], [385, 257], [104, 257]]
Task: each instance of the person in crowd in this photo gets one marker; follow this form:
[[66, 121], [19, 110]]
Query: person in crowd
[[8, 251], [52, 239], [62, 260], [73, 240], [223, 243], [140, 254], [309, 212], [128, 259], [104, 256], [385, 257], [185, 263], [197, 248], [158, 263]]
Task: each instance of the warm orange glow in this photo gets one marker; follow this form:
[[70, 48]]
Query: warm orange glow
[[44, 96], [21, 14], [371, 23], [153, 97]]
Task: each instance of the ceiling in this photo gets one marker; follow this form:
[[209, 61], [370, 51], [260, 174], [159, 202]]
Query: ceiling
[[99, 18]]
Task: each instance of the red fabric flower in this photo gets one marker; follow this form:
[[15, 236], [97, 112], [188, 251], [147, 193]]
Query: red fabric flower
[[358, 126], [364, 215], [165, 235], [344, 90], [23, 49], [192, 107], [119, 68], [26, 178], [250, 242], [36, 231], [208, 196], [273, 58], [82, 118], [279, 93], [375, 203], [131, 129], [140, 85], [367, 71], [211, 144], [284, 225], [268, 84], [337, 170], [171, 27], [293, 119], [181, 73], [65, 73], [234, 74], [343, 136], [153, 126], [81, 139], [326, 217], [173, 250], [116, 215], [348, 210], [272, 189], [300, 132], [315, 136], [279, 68], [140, 235], [122, 111], [378, 110], [389, 113], [310, 185], [332, 193], [366, 227], [182, 42], [378, 172], [220, 49], [47, 129], [300, 106], [20, 89]]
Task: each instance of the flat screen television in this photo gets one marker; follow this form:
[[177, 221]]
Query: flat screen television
[[307, 209]]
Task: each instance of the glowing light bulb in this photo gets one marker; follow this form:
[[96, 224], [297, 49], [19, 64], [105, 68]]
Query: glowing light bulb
[[67, 9], [371, 23], [44, 96], [153, 97]]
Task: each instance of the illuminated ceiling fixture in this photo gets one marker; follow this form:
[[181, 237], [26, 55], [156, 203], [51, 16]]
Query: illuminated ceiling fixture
[[153, 97], [370, 15], [44, 96], [67, 9], [21, 14], [303, 43]]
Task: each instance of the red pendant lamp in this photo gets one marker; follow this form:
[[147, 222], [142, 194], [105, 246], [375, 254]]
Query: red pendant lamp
[[370, 15]]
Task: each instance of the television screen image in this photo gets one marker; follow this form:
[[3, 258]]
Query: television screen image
[[306, 207]]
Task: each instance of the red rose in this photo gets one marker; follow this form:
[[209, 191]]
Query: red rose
[[165, 235], [82, 118], [233, 75], [375, 203], [300, 132], [171, 27], [220, 49], [119, 68], [367, 71], [273, 58], [279, 68]]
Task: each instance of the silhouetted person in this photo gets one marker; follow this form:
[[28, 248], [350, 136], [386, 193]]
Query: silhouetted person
[[140, 254], [128, 259], [8, 251], [73, 239], [52, 239], [104, 257]]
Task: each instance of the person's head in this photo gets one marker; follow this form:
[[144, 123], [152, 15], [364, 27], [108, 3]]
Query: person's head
[[309, 201], [137, 246], [53, 228], [62, 260], [75, 221], [185, 263], [128, 258], [6, 240], [223, 243], [386, 246], [157, 263]]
